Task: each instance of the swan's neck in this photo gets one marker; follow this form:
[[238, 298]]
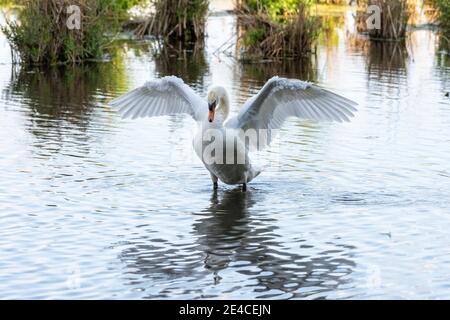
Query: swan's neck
[[223, 108]]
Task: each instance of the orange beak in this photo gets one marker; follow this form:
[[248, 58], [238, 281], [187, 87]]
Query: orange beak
[[211, 115]]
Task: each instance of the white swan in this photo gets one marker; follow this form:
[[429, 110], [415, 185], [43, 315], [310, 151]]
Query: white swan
[[278, 99]]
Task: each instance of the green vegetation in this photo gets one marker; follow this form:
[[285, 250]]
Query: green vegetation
[[6, 3], [339, 2], [394, 18], [121, 6], [277, 29], [277, 10], [178, 19], [41, 34], [443, 7]]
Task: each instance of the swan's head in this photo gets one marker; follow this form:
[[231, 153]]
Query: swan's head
[[217, 98]]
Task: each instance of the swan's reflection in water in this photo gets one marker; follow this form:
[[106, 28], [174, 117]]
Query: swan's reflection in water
[[237, 253], [223, 228]]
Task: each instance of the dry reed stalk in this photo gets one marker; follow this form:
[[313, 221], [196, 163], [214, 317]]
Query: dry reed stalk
[[178, 19], [394, 16], [264, 38]]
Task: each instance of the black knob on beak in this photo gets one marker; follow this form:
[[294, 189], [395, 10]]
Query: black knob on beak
[[212, 106]]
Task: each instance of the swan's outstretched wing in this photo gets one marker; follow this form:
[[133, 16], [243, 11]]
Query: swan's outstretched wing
[[281, 98], [168, 95]]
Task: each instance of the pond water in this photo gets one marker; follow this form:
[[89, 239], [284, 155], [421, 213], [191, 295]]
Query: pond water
[[92, 206]]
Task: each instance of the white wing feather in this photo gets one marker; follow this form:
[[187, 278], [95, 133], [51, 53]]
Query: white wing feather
[[281, 98], [165, 96]]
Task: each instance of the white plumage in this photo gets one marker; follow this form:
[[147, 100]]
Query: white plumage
[[278, 99], [169, 95]]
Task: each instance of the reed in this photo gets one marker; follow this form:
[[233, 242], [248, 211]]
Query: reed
[[335, 2], [276, 32], [177, 20], [394, 16], [443, 7], [41, 34]]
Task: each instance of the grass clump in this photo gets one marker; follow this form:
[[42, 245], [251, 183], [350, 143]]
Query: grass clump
[[277, 29], [443, 7], [41, 34], [334, 2], [443, 15], [394, 16], [183, 20]]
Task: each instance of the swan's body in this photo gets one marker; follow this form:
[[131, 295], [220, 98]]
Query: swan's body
[[229, 173], [230, 163]]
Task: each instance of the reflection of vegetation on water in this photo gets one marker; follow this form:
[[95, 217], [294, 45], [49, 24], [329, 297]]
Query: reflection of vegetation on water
[[357, 44], [383, 58], [58, 91], [387, 58], [137, 48], [63, 98], [444, 42], [187, 61], [443, 65], [443, 7], [304, 69], [442, 69], [330, 26]]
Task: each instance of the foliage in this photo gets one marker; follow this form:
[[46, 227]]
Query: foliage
[[394, 18], [179, 19], [41, 34], [277, 10], [337, 2], [277, 28], [444, 14]]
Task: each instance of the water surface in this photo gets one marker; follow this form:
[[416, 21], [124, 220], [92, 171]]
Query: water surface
[[92, 206]]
